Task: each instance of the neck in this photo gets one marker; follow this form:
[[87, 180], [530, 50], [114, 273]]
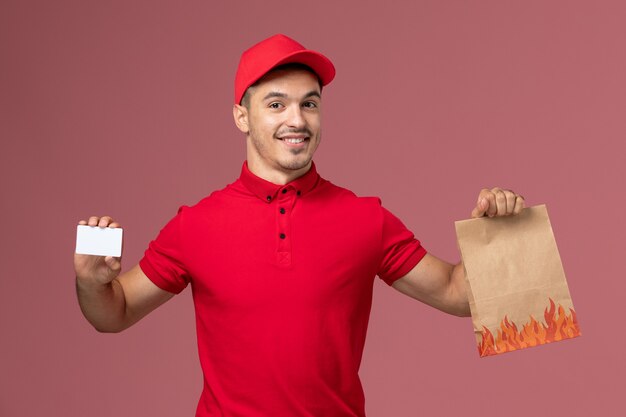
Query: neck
[[276, 175]]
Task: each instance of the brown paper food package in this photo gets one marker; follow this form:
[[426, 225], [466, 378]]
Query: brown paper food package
[[517, 289]]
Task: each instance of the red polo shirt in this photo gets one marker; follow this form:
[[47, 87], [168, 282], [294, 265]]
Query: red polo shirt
[[282, 279]]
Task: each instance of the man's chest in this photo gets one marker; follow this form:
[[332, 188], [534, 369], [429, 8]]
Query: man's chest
[[291, 253]]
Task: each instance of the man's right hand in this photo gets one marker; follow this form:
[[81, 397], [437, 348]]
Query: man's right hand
[[97, 270], [111, 301]]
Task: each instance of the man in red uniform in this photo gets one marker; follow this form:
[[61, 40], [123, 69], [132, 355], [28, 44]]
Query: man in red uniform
[[281, 262]]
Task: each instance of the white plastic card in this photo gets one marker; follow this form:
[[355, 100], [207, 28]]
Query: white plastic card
[[102, 241]]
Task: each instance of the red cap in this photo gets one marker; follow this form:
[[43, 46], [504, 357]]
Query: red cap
[[277, 50]]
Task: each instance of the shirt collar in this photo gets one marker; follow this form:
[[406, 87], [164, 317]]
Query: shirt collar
[[267, 191]]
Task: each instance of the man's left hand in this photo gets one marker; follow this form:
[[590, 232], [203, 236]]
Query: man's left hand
[[497, 202]]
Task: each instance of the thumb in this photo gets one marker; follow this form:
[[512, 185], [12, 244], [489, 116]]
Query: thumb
[[481, 208], [115, 264]]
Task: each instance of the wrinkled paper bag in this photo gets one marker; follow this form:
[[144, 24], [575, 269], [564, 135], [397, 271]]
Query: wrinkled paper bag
[[515, 280]]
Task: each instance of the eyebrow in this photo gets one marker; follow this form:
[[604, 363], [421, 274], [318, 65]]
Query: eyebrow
[[278, 94]]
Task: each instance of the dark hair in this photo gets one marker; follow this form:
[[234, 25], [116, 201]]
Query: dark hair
[[245, 100]]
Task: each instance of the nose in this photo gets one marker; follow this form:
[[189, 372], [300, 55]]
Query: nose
[[295, 118]]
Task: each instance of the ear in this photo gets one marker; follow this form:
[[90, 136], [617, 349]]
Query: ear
[[240, 114]]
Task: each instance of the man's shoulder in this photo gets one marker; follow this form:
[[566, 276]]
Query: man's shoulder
[[346, 196], [231, 193]]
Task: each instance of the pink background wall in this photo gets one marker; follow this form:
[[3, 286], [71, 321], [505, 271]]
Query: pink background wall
[[124, 108]]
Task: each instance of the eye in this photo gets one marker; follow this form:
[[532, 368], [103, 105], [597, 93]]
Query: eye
[[275, 105], [309, 104]]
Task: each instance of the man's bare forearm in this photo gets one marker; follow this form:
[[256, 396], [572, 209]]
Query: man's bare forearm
[[457, 287], [437, 283], [103, 305]]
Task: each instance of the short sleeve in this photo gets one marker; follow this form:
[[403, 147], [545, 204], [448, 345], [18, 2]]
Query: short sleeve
[[401, 251], [163, 261]]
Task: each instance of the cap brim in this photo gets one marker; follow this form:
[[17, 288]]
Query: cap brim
[[321, 65]]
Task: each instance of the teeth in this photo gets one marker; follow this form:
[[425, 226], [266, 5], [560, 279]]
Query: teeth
[[293, 140]]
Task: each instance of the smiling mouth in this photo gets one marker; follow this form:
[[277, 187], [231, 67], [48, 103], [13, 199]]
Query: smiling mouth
[[293, 141]]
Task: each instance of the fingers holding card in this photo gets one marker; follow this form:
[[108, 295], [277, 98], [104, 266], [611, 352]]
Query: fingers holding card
[[103, 221]]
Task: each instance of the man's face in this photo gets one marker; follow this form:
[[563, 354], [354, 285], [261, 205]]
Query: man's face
[[282, 122]]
